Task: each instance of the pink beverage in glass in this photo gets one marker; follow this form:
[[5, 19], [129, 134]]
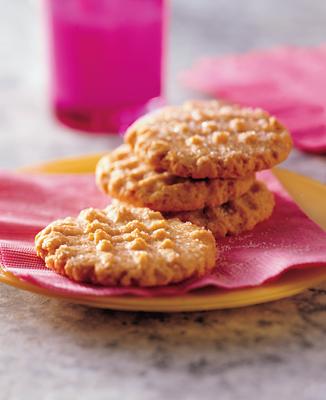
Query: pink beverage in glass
[[107, 58]]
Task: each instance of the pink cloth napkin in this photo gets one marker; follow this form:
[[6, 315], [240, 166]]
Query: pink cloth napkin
[[289, 82], [29, 202]]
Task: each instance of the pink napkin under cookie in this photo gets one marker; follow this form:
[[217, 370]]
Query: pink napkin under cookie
[[289, 82], [29, 202]]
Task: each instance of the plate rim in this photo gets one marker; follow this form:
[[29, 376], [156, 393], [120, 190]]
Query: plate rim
[[188, 302], [267, 292]]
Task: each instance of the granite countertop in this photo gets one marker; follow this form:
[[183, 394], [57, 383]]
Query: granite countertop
[[51, 349]]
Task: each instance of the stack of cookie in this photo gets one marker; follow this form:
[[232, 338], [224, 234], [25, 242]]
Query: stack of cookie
[[197, 162]]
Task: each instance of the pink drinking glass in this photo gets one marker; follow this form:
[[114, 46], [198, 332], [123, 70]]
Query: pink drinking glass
[[106, 61]]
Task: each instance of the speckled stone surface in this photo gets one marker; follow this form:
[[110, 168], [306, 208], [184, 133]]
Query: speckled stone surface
[[51, 349]]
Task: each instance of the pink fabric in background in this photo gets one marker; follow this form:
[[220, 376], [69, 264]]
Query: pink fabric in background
[[29, 202], [289, 82]]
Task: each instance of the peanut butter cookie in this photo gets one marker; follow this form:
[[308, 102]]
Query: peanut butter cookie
[[126, 246], [235, 216], [122, 175], [208, 139]]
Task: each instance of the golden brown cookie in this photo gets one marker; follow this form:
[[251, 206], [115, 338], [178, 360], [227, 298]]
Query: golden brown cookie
[[121, 175], [208, 139], [235, 216], [126, 246]]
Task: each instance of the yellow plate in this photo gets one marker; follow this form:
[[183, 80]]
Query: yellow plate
[[308, 194]]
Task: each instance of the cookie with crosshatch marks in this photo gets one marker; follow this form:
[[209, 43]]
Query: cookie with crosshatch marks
[[236, 216], [209, 139], [122, 175], [126, 246]]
